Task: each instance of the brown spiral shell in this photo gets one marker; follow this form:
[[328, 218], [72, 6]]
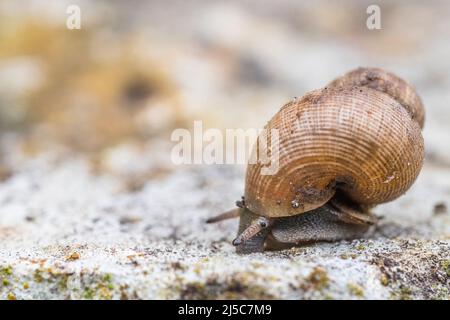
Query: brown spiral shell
[[386, 82], [357, 140]]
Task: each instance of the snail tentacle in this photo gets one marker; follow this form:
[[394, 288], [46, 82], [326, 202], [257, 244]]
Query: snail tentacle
[[230, 214], [253, 229]]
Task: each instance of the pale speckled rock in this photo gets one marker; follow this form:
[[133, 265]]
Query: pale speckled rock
[[66, 233]]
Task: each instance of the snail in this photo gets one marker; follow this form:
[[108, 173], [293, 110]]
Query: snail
[[342, 150]]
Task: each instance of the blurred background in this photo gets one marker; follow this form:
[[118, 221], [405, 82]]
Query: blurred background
[[114, 90]]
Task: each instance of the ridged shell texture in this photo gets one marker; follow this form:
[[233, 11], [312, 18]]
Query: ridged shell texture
[[360, 137]]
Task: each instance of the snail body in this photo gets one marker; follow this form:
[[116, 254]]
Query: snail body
[[342, 150]]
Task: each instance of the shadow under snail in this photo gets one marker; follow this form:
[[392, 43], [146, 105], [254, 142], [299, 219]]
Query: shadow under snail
[[342, 150]]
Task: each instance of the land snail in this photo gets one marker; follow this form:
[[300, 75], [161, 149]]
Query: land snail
[[342, 150]]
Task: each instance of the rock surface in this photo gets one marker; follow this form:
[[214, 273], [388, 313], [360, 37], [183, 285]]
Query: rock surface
[[68, 233]]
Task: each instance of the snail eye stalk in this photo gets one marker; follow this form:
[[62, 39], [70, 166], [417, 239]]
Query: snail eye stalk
[[253, 229], [234, 213]]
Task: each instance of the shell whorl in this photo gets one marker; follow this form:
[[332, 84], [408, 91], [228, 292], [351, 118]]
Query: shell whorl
[[388, 83], [358, 140]]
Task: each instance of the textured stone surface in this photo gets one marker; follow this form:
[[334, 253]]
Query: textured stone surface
[[67, 233]]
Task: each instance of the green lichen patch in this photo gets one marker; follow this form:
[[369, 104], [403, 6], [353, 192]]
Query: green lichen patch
[[236, 286], [445, 265], [404, 293], [384, 279], [6, 274], [38, 277], [415, 272], [442, 294], [6, 271], [318, 279], [51, 281], [11, 296], [100, 287], [355, 290]]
